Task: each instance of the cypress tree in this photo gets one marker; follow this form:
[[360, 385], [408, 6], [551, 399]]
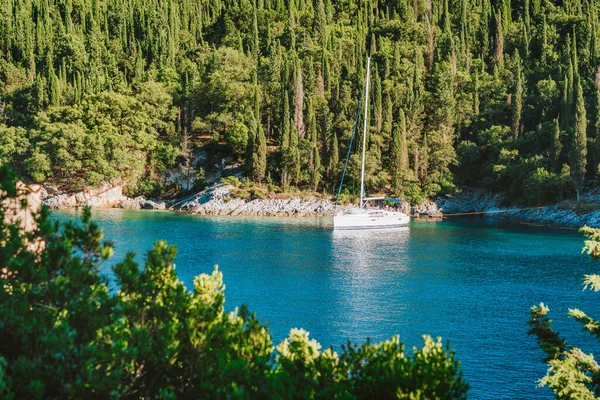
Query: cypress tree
[[596, 149], [499, 50], [565, 104], [570, 94], [544, 55], [334, 159], [579, 146], [284, 139], [387, 117], [517, 99], [316, 172], [312, 121], [255, 39], [299, 104], [259, 153], [476, 94], [574, 55], [404, 143], [378, 109], [321, 23], [399, 152], [556, 146], [447, 28]]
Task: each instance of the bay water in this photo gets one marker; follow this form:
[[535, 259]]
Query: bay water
[[470, 281]]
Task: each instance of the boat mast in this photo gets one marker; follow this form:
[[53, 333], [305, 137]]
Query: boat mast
[[364, 142]]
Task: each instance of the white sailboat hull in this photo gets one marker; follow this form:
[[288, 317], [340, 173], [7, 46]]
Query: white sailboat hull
[[370, 219]]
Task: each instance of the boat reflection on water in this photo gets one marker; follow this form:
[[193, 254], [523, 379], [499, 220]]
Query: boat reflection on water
[[368, 265], [362, 241]]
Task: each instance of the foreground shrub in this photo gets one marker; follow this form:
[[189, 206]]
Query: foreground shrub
[[65, 334], [572, 373]]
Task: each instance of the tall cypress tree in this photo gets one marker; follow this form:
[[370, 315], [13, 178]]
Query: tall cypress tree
[[499, 42], [259, 153], [579, 146], [399, 152], [476, 94], [556, 146], [517, 99], [334, 159], [378, 94], [299, 103], [316, 172], [596, 150], [284, 139]]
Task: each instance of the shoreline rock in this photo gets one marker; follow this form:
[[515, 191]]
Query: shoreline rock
[[104, 197], [218, 200]]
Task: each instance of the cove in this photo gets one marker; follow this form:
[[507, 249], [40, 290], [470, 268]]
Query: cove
[[470, 281]]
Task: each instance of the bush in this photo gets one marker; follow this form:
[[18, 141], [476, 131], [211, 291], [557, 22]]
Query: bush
[[199, 178], [347, 198], [542, 187], [148, 187], [66, 334], [258, 193], [39, 166], [572, 374], [231, 180], [413, 193], [237, 138], [239, 194]]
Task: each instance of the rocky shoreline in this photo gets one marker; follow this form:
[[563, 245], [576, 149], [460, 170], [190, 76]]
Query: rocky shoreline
[[562, 215], [220, 199], [104, 197]]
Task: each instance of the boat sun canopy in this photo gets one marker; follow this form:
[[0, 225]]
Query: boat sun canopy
[[392, 200]]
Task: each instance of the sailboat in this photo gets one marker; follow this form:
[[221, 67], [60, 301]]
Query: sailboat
[[365, 217]]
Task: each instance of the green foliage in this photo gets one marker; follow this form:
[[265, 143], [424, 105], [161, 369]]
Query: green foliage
[[545, 187], [572, 373], [239, 194], [231, 180], [66, 334], [237, 138], [106, 91]]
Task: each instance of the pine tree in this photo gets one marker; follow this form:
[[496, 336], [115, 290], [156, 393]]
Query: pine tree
[[579, 146]]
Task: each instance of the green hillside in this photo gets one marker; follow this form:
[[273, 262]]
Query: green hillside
[[499, 94]]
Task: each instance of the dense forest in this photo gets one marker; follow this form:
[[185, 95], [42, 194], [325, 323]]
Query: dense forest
[[499, 94]]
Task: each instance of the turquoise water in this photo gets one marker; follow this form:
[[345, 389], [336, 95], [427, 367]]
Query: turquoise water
[[470, 281]]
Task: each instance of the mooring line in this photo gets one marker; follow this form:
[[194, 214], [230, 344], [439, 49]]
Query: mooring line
[[492, 212]]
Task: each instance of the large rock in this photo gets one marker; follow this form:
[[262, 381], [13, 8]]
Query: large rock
[[105, 197], [426, 210], [22, 211], [217, 200]]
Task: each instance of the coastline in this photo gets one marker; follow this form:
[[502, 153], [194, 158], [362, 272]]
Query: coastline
[[221, 200], [566, 214]]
